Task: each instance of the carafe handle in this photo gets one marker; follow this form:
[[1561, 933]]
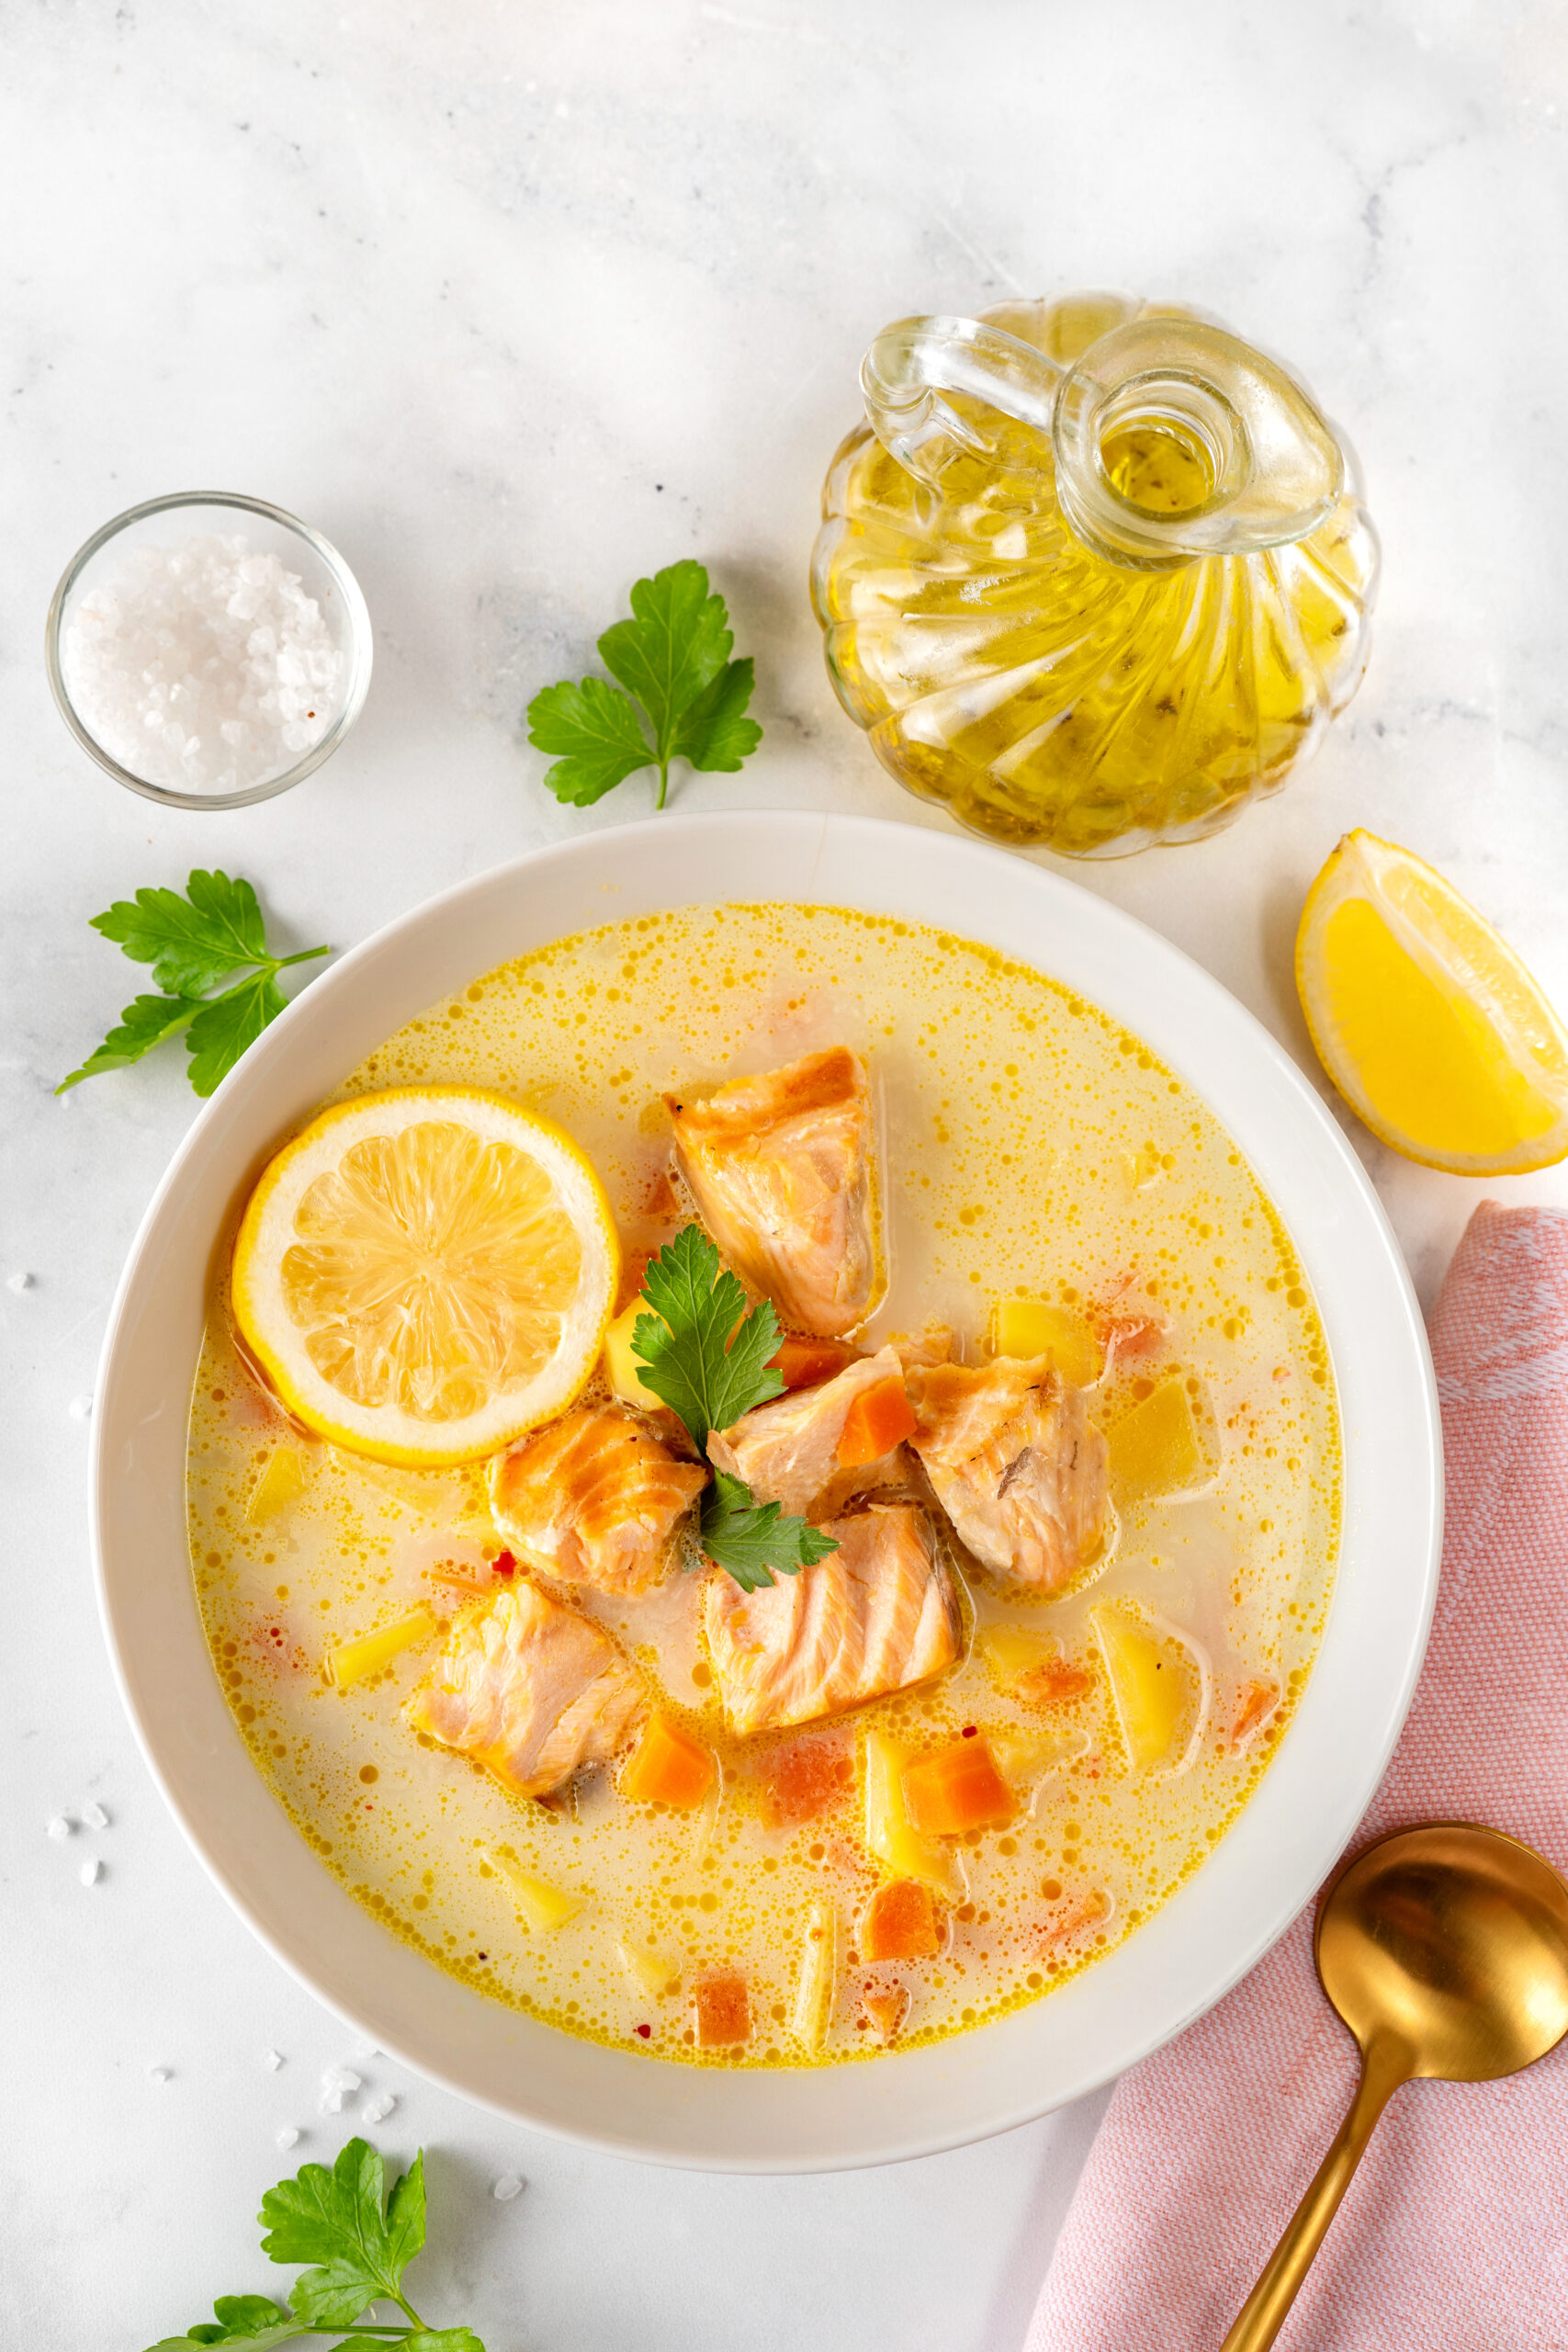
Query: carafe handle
[[916, 363]]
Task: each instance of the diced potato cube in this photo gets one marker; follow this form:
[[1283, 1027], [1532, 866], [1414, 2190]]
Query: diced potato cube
[[651, 1972], [1027, 1758], [1148, 1683], [1027, 1326], [816, 1985], [889, 1835], [899, 1923], [352, 1661], [622, 1368], [1154, 1447], [721, 2011], [1011, 1650], [542, 1905], [278, 1484]]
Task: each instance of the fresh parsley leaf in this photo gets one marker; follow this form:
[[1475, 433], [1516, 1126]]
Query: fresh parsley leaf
[[225, 1025], [335, 2220], [143, 1024], [750, 1540], [672, 660], [247, 2314], [360, 2241], [191, 940], [242, 2319], [674, 647], [211, 932], [704, 1351], [714, 731], [599, 734]]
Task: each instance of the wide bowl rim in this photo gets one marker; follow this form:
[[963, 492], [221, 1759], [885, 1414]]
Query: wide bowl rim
[[359, 646], [1187, 1961]]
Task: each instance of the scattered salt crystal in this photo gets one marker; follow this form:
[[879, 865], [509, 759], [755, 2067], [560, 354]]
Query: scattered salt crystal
[[59, 1828], [274, 2061], [95, 1817], [91, 1873], [289, 2136], [81, 1409], [338, 2083], [506, 2188], [18, 1283], [159, 2074], [203, 666], [376, 2110]]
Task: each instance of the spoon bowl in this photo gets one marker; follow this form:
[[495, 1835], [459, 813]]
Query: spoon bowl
[[1445, 1949], [1454, 1941]]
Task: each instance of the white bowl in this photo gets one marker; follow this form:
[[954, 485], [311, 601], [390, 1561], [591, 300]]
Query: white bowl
[[1264, 1869]]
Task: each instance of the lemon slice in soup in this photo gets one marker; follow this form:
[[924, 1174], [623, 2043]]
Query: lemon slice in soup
[[425, 1273]]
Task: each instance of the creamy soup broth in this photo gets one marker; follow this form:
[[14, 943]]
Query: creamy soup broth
[[1029, 1147]]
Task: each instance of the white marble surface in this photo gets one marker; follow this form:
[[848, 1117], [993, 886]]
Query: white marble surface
[[518, 301]]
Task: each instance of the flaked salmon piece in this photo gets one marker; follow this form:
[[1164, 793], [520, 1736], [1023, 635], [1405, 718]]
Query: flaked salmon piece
[[595, 1499], [788, 1451], [918, 1351], [780, 1169], [1016, 1464], [876, 1616], [530, 1690]]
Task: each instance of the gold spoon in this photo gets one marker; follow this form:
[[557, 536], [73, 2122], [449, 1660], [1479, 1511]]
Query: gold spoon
[[1445, 1949]]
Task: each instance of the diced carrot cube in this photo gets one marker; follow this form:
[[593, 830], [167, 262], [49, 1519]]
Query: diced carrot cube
[[957, 1788], [899, 1923], [667, 1767], [802, 1778], [721, 2011], [881, 1418], [1254, 1702], [805, 1363], [1053, 1682], [884, 2008]]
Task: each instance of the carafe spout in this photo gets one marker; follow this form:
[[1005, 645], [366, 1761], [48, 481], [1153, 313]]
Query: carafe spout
[[1175, 439]]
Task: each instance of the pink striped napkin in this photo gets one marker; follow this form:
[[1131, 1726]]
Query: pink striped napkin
[[1454, 2234]]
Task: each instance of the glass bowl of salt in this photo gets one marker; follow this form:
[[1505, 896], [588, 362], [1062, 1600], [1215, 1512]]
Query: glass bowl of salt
[[209, 650]]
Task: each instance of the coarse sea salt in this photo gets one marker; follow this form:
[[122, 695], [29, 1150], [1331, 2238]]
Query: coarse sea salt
[[203, 666]]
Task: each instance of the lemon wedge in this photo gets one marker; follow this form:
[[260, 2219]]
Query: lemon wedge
[[425, 1273], [1426, 1020]]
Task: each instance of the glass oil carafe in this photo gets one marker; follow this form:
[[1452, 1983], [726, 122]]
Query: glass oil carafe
[[1094, 572]]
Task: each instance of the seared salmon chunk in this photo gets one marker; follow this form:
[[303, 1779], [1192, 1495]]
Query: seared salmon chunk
[[788, 1451], [593, 1499], [876, 1616], [1016, 1464], [530, 1691], [780, 1169]]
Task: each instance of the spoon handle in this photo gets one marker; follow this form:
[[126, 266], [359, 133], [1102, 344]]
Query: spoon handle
[[1384, 2068]]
